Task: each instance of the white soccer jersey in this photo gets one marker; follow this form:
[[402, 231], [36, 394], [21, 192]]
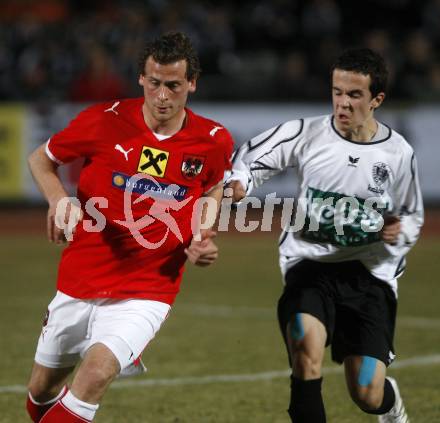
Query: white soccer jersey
[[343, 186]]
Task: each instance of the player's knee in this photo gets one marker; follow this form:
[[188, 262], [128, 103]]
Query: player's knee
[[38, 391], [100, 373], [100, 366], [99, 376], [90, 383], [97, 371], [369, 402], [367, 398], [366, 392], [42, 390], [46, 383], [307, 364]]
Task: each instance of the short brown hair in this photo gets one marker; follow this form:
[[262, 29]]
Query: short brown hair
[[169, 48], [367, 62]]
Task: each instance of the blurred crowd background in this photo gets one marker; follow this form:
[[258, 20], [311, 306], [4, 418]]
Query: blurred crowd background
[[79, 50]]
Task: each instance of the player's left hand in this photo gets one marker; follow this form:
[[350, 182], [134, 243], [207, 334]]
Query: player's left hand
[[204, 252], [391, 229], [238, 192], [63, 218]]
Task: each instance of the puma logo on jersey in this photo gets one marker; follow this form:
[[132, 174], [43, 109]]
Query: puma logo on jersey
[[353, 161], [214, 130], [112, 109], [125, 153]]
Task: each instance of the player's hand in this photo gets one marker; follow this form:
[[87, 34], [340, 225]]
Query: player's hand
[[391, 229], [62, 219], [205, 252], [238, 191]]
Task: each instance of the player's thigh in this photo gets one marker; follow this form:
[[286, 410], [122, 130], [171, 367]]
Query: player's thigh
[[45, 382], [365, 321], [307, 333], [365, 377], [126, 327], [64, 332], [305, 314], [305, 306]]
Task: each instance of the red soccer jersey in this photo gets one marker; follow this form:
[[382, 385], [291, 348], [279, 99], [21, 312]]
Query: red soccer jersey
[[117, 144]]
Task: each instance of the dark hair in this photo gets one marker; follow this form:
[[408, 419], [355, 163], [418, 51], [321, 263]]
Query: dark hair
[[366, 62], [169, 48]]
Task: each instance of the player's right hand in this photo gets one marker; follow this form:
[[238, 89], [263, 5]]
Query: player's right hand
[[62, 219], [238, 191], [204, 252], [391, 229]]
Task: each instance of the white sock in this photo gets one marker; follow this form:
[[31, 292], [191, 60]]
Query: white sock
[[83, 409], [52, 401]]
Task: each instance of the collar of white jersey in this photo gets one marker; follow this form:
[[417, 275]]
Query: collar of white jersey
[[386, 136]]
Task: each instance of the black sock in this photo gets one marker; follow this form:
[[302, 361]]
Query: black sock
[[389, 398], [306, 404]]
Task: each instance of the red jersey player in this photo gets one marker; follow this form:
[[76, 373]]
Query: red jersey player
[[156, 157]]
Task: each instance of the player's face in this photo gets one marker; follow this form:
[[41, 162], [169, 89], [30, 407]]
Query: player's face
[[353, 104], [165, 89]]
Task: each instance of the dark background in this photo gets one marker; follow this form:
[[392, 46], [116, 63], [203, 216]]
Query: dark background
[[78, 50]]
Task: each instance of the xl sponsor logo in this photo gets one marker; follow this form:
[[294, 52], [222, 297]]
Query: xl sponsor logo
[[153, 161]]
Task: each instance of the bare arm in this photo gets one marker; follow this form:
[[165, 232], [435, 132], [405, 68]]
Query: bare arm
[[209, 213], [44, 171], [205, 252], [45, 174]]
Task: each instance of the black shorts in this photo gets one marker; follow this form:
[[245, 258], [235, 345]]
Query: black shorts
[[357, 309]]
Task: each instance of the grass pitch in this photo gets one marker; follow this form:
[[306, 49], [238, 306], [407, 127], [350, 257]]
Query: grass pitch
[[219, 357]]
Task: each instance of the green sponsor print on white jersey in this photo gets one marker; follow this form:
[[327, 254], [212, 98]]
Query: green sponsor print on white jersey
[[339, 219]]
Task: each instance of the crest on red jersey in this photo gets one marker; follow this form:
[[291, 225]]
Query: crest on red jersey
[[192, 165]]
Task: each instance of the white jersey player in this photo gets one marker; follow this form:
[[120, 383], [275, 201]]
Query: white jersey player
[[335, 171], [358, 212]]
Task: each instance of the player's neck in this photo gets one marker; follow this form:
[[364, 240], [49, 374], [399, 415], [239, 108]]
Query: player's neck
[[168, 127], [362, 133]]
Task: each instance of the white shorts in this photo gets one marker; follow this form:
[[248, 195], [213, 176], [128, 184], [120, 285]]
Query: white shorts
[[73, 325]]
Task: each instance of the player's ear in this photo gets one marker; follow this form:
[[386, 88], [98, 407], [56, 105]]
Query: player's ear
[[141, 80], [192, 85], [378, 100]]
